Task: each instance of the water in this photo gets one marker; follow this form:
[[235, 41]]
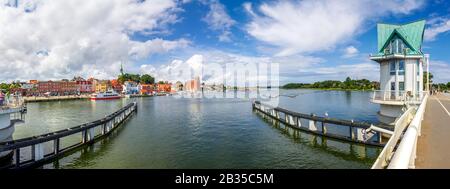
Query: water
[[207, 133]]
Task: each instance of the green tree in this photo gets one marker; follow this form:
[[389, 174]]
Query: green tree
[[425, 82], [147, 79]]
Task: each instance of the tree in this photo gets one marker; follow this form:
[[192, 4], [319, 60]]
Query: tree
[[147, 79], [129, 77], [425, 82]]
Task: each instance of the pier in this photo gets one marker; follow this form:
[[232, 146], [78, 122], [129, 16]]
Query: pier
[[37, 150], [358, 132], [54, 98]]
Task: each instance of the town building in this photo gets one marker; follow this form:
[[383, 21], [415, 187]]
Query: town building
[[116, 86], [177, 86], [101, 85], [164, 87], [85, 86], [130, 87], [57, 88], [401, 63], [193, 85], [146, 89]]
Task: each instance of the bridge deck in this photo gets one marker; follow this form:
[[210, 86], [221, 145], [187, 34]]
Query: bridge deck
[[434, 143]]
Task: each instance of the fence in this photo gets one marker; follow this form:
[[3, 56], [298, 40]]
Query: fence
[[36, 144]]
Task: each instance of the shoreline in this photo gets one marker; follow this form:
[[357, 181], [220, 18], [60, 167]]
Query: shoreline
[[329, 89]]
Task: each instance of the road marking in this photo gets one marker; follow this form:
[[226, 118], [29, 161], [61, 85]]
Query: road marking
[[442, 106]]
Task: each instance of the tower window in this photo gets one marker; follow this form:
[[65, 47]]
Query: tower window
[[401, 86], [392, 67], [401, 67], [418, 67]]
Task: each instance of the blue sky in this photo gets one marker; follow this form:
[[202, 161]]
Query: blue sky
[[311, 40], [193, 27]]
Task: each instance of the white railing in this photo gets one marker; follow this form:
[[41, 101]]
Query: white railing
[[385, 156], [405, 155], [398, 96]]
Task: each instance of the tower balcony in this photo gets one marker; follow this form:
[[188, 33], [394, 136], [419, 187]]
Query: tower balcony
[[395, 97], [12, 104]]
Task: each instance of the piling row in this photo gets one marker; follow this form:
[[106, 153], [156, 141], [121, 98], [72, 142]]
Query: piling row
[[358, 132], [36, 145]]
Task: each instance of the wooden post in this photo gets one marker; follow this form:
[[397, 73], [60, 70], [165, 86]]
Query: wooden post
[[103, 128], [83, 136], [352, 135], [56, 146], [17, 154]]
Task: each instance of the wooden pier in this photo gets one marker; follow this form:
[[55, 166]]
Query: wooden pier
[[36, 146], [358, 132]]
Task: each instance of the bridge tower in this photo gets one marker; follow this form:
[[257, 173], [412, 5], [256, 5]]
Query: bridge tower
[[401, 68], [11, 112]]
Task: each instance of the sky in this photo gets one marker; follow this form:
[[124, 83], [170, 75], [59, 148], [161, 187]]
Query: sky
[[311, 40]]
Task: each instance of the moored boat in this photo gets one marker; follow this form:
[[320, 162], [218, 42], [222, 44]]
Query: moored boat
[[108, 95]]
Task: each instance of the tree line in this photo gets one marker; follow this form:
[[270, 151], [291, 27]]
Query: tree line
[[143, 79], [348, 84]]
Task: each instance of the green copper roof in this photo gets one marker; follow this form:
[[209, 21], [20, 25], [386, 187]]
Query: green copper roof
[[412, 34]]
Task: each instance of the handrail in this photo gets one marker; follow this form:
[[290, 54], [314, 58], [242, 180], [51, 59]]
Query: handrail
[[359, 132], [405, 155], [23, 142], [386, 154], [88, 136], [314, 117]]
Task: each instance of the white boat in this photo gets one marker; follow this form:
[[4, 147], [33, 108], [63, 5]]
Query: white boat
[[108, 95]]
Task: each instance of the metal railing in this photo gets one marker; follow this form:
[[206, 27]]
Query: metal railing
[[398, 96], [36, 144], [358, 132]]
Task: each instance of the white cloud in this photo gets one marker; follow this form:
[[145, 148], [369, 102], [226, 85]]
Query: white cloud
[[350, 52], [316, 25], [218, 20], [440, 71], [58, 39], [289, 67], [368, 71], [438, 26]]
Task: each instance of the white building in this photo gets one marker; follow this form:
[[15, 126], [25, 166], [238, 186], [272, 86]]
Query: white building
[[130, 87], [401, 68], [9, 106]]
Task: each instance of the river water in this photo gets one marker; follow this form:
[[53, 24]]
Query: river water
[[170, 132]]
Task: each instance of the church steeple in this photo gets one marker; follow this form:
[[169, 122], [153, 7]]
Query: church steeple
[[121, 68]]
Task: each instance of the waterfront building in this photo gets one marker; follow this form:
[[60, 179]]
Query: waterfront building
[[164, 87], [178, 86], [57, 87], [401, 63], [101, 85], [146, 89], [85, 86], [193, 85], [116, 86], [9, 106], [130, 87]]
